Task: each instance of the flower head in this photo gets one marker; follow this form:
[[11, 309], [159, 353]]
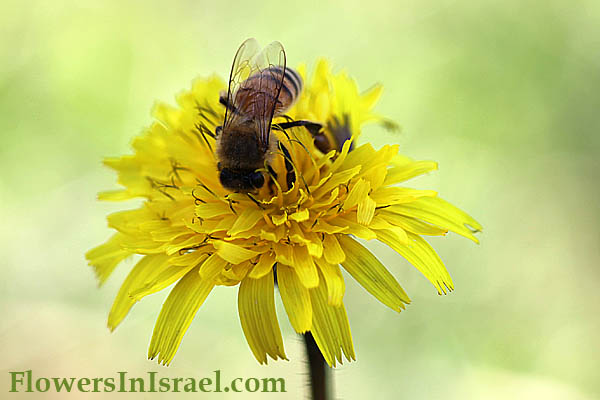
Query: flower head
[[297, 234]]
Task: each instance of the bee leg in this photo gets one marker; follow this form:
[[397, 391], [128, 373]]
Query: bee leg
[[223, 98], [224, 101], [312, 127], [321, 141], [290, 177]]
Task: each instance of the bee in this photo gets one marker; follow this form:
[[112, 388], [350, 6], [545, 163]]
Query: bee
[[260, 88]]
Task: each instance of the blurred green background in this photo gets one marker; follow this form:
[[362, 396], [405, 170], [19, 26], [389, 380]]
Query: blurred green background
[[504, 94]]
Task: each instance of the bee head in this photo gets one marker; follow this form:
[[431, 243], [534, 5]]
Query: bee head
[[241, 180]]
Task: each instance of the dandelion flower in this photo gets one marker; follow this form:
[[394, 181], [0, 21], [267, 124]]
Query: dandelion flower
[[193, 232]]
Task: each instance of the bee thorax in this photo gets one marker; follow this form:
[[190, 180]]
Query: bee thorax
[[240, 151]]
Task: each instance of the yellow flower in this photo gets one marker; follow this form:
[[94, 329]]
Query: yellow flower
[[192, 231]]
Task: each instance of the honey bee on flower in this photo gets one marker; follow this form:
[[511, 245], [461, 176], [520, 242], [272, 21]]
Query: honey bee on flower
[[295, 214]]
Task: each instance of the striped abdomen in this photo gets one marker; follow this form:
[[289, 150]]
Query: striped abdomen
[[263, 86]]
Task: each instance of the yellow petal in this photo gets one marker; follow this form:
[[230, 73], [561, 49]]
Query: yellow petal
[[283, 253], [190, 257], [279, 219], [422, 256], [150, 275], [336, 179], [296, 234], [354, 228], [278, 233], [441, 213], [321, 105], [376, 176], [295, 297], [301, 215], [311, 240], [247, 220], [386, 196], [370, 96], [358, 192], [334, 281], [183, 242], [239, 271], [332, 250], [378, 160], [167, 233], [128, 221], [105, 258], [372, 275], [167, 114], [268, 235], [400, 235], [116, 195], [324, 227], [161, 278], [341, 158], [365, 211], [324, 201], [410, 224], [330, 328], [408, 170], [176, 315], [379, 222], [212, 267], [256, 306], [222, 224], [360, 156], [233, 253], [304, 266], [314, 245], [142, 245], [264, 266], [212, 210]]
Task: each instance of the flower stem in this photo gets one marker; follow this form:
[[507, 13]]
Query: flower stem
[[318, 369]]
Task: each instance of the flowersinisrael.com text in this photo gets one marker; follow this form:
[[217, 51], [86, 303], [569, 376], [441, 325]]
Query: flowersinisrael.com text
[[26, 381]]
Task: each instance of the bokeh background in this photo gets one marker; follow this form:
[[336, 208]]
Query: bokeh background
[[504, 94]]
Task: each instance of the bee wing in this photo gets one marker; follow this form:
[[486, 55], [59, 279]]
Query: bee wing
[[241, 69], [258, 97], [271, 63]]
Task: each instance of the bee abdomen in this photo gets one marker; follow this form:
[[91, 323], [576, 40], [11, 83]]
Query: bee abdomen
[[268, 80], [292, 82]]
